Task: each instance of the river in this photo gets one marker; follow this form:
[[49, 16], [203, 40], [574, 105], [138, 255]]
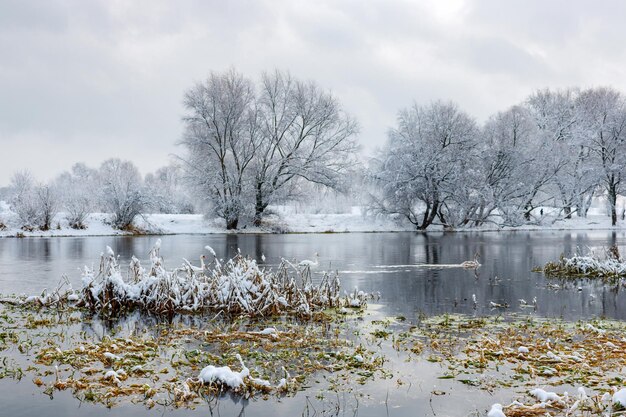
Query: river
[[390, 263]]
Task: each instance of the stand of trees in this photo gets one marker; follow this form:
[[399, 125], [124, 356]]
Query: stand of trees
[[116, 187], [557, 149], [249, 145]]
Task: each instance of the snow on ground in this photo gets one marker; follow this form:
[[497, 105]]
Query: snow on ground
[[282, 220]]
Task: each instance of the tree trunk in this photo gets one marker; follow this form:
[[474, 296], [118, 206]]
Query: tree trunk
[[259, 206], [429, 217], [613, 203], [568, 212], [232, 223], [424, 224], [529, 208]]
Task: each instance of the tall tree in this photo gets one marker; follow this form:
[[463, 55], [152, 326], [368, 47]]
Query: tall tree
[[603, 119], [424, 162], [221, 141], [304, 134]]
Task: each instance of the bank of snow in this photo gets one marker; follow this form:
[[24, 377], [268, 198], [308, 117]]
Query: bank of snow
[[282, 220], [97, 224]]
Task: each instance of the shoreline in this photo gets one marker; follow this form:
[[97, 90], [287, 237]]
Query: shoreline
[[52, 234], [292, 223]]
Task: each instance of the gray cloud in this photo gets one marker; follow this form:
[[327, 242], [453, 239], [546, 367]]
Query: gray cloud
[[85, 81]]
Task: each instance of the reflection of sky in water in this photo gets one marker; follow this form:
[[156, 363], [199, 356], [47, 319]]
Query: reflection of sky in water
[[391, 263]]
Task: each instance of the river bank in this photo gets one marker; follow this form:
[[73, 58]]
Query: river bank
[[282, 219]]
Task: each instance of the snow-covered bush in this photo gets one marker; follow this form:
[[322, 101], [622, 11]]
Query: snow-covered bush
[[121, 192], [611, 266], [47, 203], [35, 205], [236, 287], [76, 191]]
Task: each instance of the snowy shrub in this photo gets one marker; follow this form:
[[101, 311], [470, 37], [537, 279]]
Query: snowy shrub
[[46, 201], [122, 192], [76, 193], [35, 205], [235, 287], [588, 266]]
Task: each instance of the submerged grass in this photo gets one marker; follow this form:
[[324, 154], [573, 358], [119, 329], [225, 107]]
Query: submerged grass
[[160, 364], [142, 360]]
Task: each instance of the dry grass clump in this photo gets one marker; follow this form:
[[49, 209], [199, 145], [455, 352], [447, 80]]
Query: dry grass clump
[[607, 267], [235, 287]]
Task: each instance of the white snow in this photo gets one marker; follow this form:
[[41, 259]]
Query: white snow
[[286, 220], [111, 356], [544, 396], [224, 375], [620, 397], [523, 349], [496, 411], [115, 375]]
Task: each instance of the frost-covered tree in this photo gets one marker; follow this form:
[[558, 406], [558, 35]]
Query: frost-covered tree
[[602, 113], [569, 170], [423, 169], [23, 201], [76, 193], [47, 203], [166, 190], [245, 150], [121, 192], [35, 204], [221, 140], [303, 134], [507, 158]]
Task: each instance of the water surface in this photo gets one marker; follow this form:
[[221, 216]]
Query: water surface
[[390, 263]]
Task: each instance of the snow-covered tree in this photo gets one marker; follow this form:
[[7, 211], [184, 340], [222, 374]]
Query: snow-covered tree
[[166, 190], [121, 192], [47, 203], [423, 170], [507, 158], [602, 113], [568, 168], [76, 192], [221, 140], [23, 201], [303, 134], [246, 150], [35, 204]]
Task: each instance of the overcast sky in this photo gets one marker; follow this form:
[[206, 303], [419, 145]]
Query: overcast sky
[[87, 80]]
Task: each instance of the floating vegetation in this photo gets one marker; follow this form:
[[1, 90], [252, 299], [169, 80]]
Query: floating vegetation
[[195, 358], [180, 364], [253, 332], [256, 333], [610, 266], [525, 353]]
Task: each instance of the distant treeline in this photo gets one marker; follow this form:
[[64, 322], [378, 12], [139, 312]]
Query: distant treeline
[[248, 145]]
